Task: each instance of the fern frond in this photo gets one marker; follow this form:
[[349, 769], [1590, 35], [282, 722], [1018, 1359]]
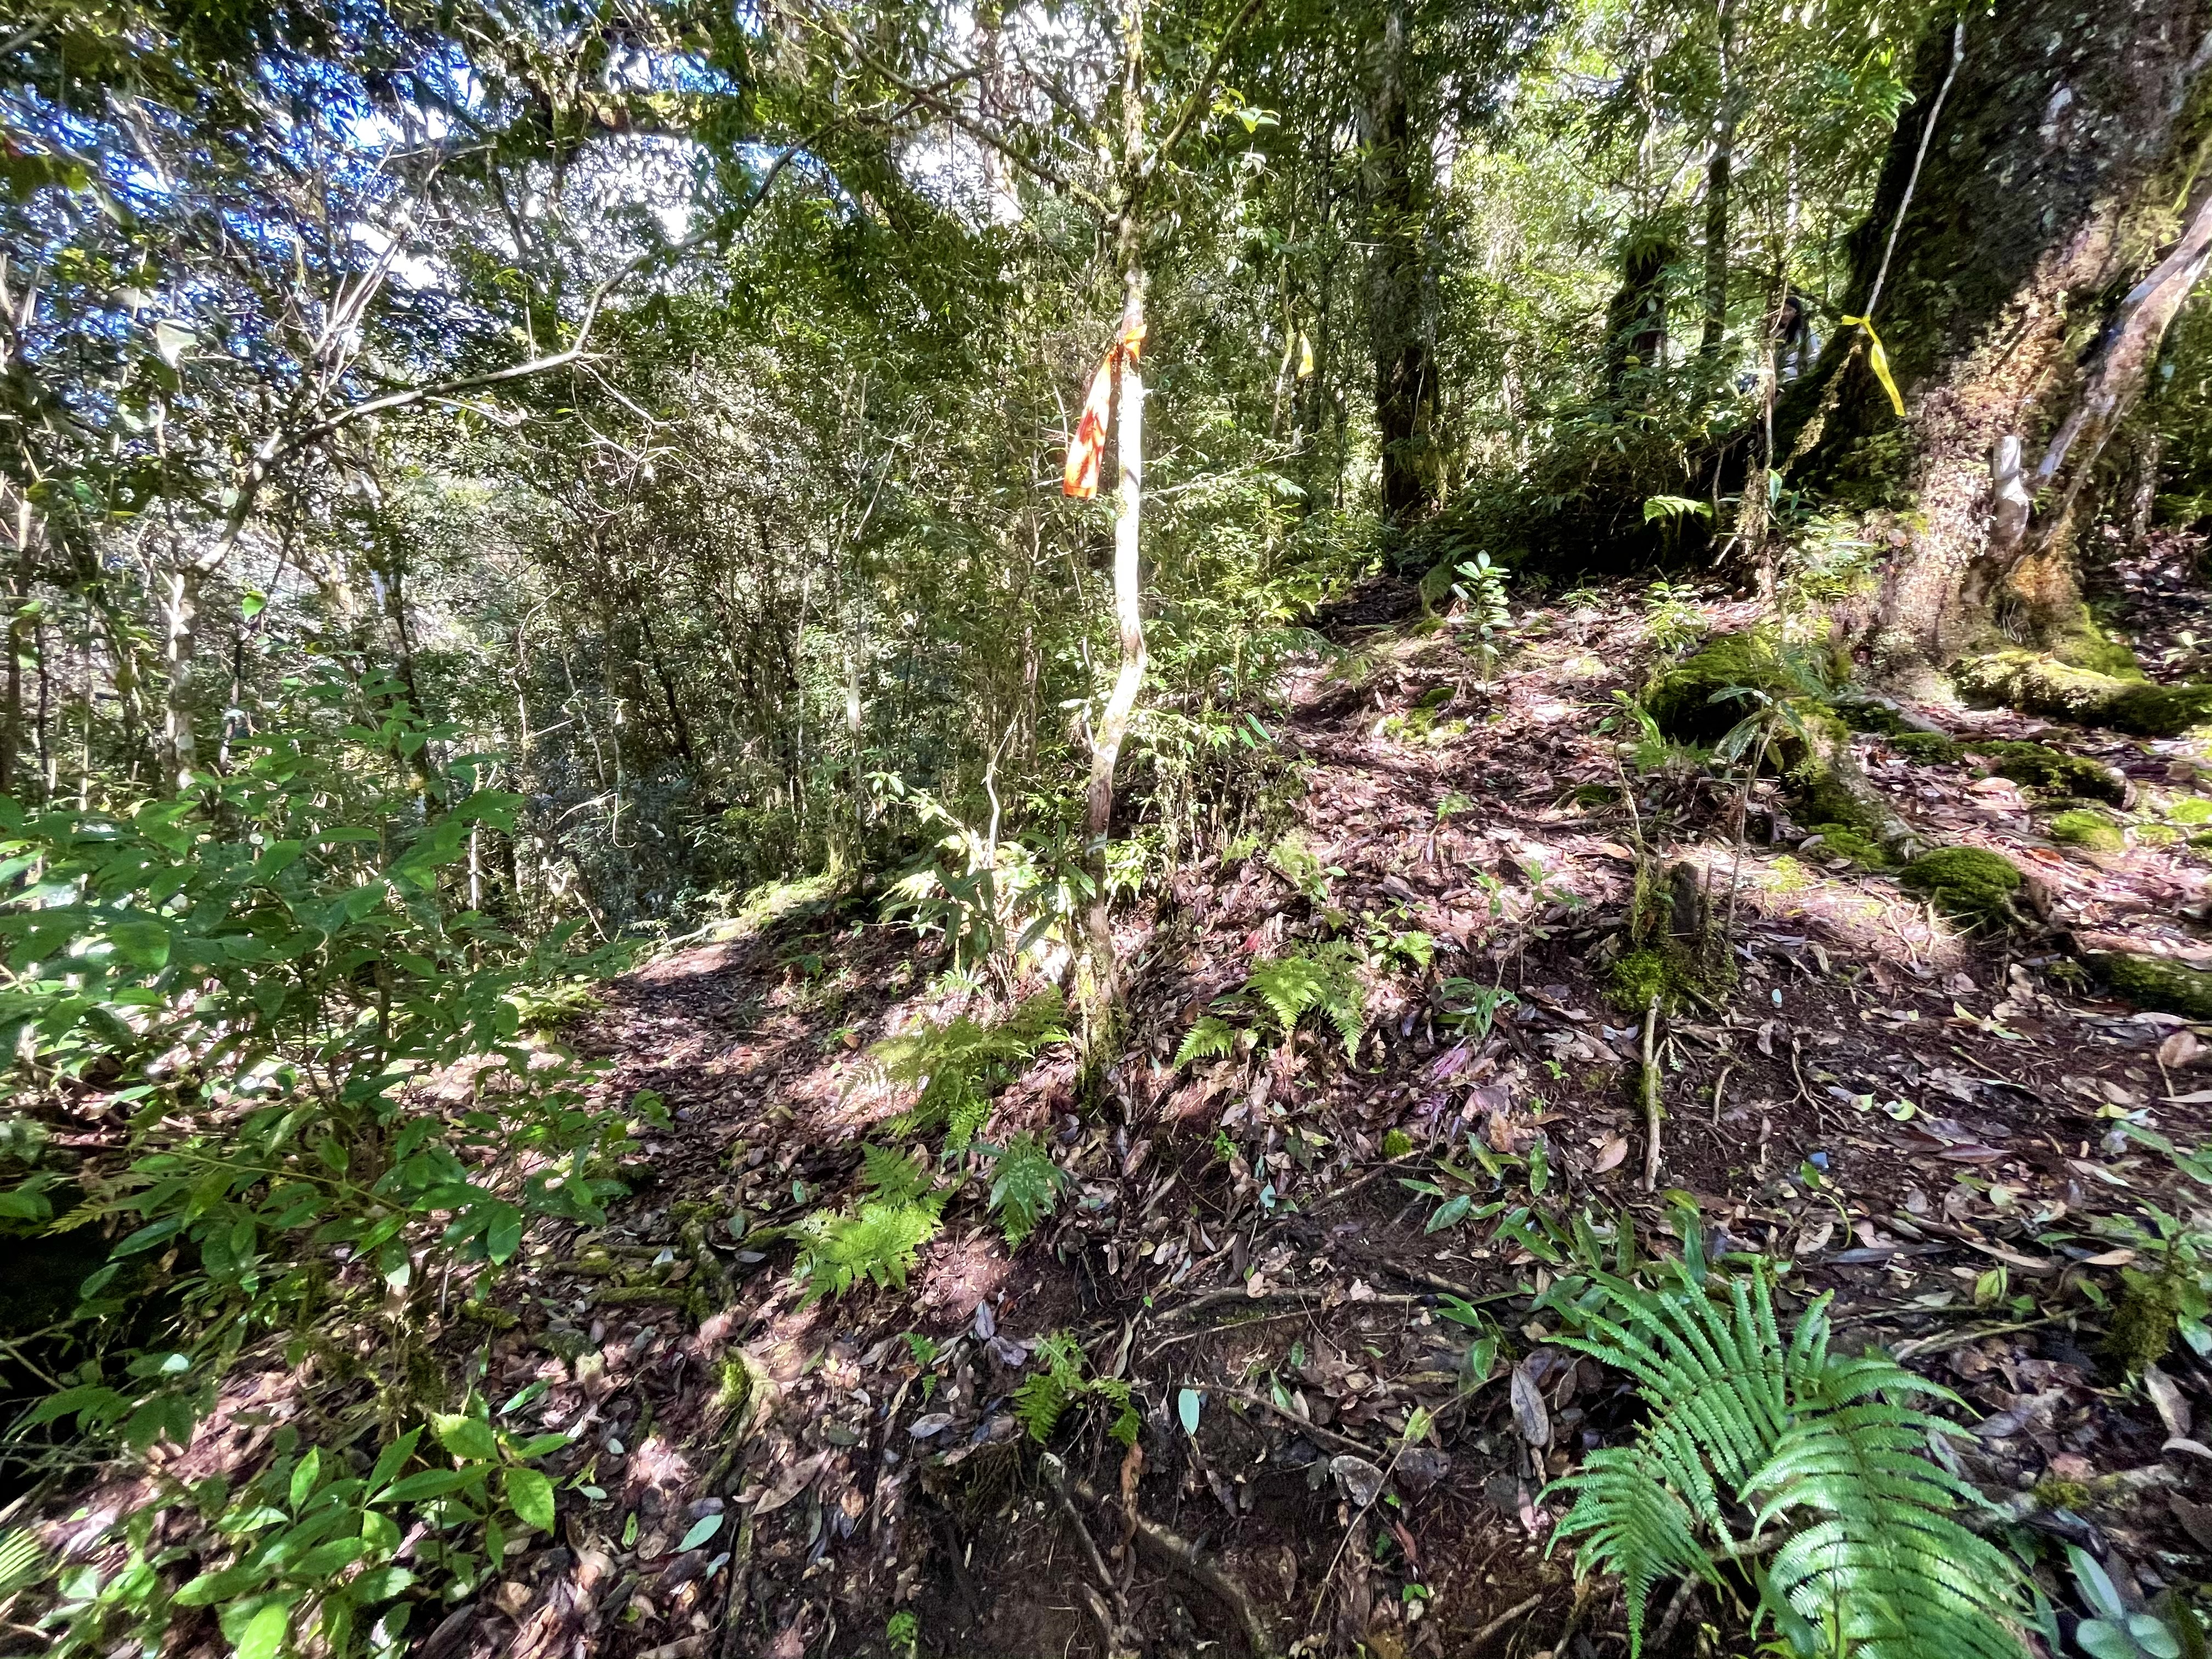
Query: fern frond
[[1288, 985], [1821, 1446], [21, 1560], [1210, 1036], [965, 1122], [1025, 1186], [960, 1065], [879, 1244], [1039, 1404], [1633, 1526], [1907, 1580], [892, 1175], [1322, 979]]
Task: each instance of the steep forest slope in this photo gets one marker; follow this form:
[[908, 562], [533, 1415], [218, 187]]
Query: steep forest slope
[[1138, 829]]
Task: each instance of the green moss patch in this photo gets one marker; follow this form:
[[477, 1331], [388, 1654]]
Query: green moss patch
[[1925, 748], [2156, 982], [1840, 840], [2039, 766], [2046, 685], [1968, 883], [2087, 827], [1682, 702], [1639, 976], [1878, 718]]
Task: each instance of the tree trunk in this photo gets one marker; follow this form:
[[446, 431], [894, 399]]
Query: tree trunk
[[1403, 370], [1129, 457], [181, 621], [2021, 263], [1717, 173]]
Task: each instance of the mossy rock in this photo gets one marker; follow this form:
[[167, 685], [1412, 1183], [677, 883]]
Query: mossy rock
[[2037, 766], [2159, 983], [2087, 827], [1841, 841], [1878, 718], [2040, 684], [1969, 884], [2190, 809], [1926, 748], [1682, 700]]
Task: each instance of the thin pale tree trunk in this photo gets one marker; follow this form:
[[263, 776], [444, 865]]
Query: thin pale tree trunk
[[1129, 425]]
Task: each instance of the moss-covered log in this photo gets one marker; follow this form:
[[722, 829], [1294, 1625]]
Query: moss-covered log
[[1809, 745], [2155, 982], [2043, 683]]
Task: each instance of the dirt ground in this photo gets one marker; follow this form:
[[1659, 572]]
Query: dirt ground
[[1920, 1122]]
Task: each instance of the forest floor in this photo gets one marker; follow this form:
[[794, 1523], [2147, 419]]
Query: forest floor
[[1918, 1121]]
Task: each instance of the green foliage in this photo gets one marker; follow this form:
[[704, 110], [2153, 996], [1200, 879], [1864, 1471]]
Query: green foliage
[[308, 1551], [1480, 590], [1971, 884], [895, 1176], [2087, 827], [1470, 1007], [258, 975], [1209, 1036], [1396, 1143], [960, 1065], [1057, 1382], [1821, 1450], [1297, 864], [1026, 1185], [1318, 979], [879, 1243], [1672, 619]]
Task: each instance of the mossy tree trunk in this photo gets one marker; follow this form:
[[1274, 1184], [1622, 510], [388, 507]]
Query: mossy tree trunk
[[2021, 262], [1390, 178]]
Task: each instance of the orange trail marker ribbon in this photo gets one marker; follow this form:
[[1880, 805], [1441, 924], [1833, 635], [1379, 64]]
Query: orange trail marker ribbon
[[1087, 449]]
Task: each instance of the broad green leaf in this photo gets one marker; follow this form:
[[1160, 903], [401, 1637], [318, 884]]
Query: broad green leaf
[[264, 1633], [530, 1495], [144, 945], [465, 1437]]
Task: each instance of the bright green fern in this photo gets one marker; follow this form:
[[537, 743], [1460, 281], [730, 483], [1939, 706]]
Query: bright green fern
[[880, 1241], [960, 1065], [1026, 1185], [1817, 1447], [1210, 1036], [1057, 1382], [1313, 978]]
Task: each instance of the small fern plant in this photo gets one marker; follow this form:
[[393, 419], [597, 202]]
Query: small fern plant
[[1025, 1186], [1819, 1450], [1058, 1383], [898, 1213], [959, 1065], [1309, 979]]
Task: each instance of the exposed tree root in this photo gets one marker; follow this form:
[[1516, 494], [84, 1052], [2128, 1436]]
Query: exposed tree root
[[1185, 1557], [2037, 683]]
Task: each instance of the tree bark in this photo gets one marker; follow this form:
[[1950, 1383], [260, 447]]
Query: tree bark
[[181, 627], [1718, 170], [1113, 725], [1402, 370], [2034, 245]]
